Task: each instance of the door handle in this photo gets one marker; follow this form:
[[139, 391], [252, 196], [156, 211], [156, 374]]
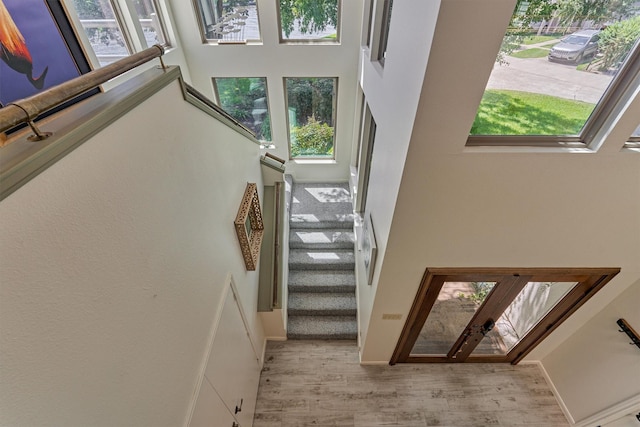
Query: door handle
[[487, 327]]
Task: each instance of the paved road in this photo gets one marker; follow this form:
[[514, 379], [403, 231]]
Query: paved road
[[541, 76]]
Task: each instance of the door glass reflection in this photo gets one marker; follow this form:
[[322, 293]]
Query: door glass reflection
[[525, 311], [456, 304]]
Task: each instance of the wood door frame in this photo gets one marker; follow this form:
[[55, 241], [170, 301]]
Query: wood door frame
[[589, 282]]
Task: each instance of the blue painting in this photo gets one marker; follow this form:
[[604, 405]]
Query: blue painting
[[34, 53]]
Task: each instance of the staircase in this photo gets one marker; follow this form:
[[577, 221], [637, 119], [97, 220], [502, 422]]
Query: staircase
[[322, 302]]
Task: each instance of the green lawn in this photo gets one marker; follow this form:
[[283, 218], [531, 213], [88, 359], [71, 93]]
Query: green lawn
[[508, 112], [535, 52]]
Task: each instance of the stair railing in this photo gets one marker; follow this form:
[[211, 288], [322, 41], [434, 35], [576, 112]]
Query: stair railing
[[28, 109]]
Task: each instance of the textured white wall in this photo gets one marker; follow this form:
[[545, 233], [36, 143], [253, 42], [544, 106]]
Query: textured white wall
[[274, 61], [112, 265]]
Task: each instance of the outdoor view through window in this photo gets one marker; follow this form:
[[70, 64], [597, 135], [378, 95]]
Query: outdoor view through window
[[556, 61], [245, 98], [311, 116]]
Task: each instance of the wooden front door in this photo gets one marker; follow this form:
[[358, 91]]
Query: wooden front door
[[491, 315]]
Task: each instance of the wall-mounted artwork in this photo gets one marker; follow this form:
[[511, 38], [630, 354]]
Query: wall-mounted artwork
[[249, 226], [369, 248], [38, 48]]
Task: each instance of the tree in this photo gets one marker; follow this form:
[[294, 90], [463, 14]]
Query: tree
[[310, 15], [599, 12], [525, 13]]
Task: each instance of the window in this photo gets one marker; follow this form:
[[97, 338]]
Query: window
[[368, 23], [384, 33], [558, 74], [228, 21], [309, 21], [245, 98], [103, 22], [311, 115], [367, 139], [103, 29], [152, 27]]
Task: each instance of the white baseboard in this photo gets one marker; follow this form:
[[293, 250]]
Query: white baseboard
[[612, 413], [554, 390]]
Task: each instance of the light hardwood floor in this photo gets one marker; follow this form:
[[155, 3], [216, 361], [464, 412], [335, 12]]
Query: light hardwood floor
[[321, 383]]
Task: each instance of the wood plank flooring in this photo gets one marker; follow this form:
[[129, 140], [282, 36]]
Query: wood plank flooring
[[321, 383]]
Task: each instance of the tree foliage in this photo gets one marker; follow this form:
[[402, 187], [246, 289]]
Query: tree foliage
[[526, 13], [311, 97], [617, 40], [239, 96], [310, 15]]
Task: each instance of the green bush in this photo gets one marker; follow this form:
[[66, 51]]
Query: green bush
[[312, 139], [617, 40]]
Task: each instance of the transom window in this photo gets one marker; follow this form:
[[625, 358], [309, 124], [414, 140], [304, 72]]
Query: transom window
[[311, 108], [246, 99], [309, 20], [559, 72], [228, 21]]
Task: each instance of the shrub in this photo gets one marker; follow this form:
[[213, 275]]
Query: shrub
[[617, 40], [313, 138]]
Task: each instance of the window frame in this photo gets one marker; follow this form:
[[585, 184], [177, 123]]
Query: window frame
[[197, 9], [601, 118], [334, 117], [323, 41], [263, 143]]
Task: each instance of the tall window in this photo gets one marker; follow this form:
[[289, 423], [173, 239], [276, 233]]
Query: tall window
[[245, 98], [365, 154], [103, 29], [103, 22], [561, 68], [311, 107], [304, 20], [384, 33], [228, 21], [152, 26]]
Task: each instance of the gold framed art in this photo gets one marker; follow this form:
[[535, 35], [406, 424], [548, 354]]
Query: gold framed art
[[249, 226]]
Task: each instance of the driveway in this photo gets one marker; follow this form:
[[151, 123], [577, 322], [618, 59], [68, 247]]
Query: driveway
[[538, 75]]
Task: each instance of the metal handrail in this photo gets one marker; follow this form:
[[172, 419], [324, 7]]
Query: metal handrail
[[27, 109]]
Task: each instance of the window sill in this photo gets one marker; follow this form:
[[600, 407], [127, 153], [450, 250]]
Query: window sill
[[314, 161]]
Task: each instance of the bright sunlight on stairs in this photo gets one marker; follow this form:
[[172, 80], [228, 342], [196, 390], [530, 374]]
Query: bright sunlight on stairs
[[322, 301]]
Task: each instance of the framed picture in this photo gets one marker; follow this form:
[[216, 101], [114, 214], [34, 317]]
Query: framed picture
[[249, 226], [38, 49], [369, 248]]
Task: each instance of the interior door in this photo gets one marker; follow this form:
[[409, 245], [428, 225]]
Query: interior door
[[491, 315]]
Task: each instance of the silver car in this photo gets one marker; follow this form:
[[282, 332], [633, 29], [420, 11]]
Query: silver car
[[576, 47]]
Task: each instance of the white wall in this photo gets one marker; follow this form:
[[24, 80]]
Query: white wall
[[596, 368], [490, 208], [392, 94], [275, 61], [113, 263]]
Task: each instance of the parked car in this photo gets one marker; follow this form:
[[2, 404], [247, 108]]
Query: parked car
[[576, 47]]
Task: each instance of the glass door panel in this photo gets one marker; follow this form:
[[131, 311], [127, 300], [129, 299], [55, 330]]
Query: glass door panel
[[454, 308], [530, 306]]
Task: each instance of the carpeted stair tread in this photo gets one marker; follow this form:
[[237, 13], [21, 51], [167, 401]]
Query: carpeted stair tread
[[334, 259], [321, 239], [321, 206], [322, 327], [322, 281], [321, 304]]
